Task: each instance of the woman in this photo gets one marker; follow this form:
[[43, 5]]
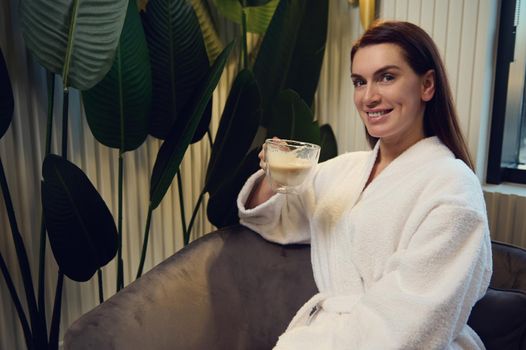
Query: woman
[[400, 243]]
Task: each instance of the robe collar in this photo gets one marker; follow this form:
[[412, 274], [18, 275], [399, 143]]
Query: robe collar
[[426, 150]]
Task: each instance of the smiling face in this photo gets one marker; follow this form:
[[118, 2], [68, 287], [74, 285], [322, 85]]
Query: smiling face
[[389, 95]]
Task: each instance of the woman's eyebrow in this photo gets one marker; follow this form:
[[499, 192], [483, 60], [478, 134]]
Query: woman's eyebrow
[[378, 71]]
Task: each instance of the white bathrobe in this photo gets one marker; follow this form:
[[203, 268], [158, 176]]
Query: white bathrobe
[[399, 264]]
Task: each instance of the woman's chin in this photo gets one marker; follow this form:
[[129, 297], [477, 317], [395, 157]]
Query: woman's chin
[[374, 132]]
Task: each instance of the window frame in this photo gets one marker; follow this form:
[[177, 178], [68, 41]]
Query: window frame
[[496, 172]]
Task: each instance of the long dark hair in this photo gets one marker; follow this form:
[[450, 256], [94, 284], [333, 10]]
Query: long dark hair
[[421, 53]]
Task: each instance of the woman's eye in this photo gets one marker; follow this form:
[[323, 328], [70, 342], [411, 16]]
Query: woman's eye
[[358, 82], [387, 78]]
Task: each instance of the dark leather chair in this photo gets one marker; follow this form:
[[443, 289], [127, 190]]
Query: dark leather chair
[[499, 318], [233, 290]]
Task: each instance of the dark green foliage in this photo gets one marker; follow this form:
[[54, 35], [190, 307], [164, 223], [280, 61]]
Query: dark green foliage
[[173, 149], [178, 59], [6, 97], [236, 131], [81, 229], [222, 209], [117, 107], [292, 51], [291, 118], [329, 148]]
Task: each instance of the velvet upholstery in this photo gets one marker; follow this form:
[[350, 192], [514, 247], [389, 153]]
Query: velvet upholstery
[[500, 317], [228, 290], [233, 290]]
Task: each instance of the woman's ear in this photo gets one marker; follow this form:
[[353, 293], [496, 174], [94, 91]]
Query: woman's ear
[[428, 85]]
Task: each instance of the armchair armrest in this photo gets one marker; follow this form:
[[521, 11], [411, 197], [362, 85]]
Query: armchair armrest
[[223, 291]]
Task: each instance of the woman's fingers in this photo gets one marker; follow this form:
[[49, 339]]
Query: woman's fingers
[[261, 156]]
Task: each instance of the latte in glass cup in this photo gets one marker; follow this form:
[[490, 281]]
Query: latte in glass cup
[[289, 162]]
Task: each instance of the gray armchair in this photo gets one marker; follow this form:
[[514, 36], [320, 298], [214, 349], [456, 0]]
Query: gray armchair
[[233, 290]]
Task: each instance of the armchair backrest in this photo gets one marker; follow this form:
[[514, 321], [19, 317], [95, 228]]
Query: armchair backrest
[[509, 266], [499, 318]]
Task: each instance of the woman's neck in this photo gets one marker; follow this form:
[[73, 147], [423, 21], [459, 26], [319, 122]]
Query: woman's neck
[[391, 149], [386, 154]]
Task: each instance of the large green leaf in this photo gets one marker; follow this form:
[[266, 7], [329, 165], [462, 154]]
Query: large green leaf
[[117, 108], [213, 43], [291, 51], [81, 230], [204, 123], [236, 131], [329, 147], [221, 209], [258, 18], [178, 58], [173, 149], [304, 71], [74, 38], [254, 3], [293, 119], [6, 97]]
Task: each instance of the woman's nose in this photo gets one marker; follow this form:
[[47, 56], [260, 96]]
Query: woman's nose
[[371, 97]]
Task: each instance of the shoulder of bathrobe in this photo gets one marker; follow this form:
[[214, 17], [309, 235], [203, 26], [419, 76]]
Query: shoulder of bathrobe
[[451, 180]]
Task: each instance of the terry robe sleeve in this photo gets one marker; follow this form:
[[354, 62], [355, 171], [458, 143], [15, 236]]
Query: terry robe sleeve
[[282, 219]]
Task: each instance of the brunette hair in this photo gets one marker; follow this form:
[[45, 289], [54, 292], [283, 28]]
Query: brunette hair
[[421, 53]]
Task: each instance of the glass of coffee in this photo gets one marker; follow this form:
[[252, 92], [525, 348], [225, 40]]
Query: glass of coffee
[[288, 163]]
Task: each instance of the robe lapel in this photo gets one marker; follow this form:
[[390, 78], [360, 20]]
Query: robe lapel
[[424, 150]]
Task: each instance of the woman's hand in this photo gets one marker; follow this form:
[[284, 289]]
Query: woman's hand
[[261, 154], [262, 190]]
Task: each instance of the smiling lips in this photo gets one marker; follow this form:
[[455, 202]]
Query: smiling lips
[[378, 113]]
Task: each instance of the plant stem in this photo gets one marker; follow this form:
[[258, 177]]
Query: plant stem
[[209, 134], [181, 199], [120, 265], [16, 301], [244, 34], [42, 256], [145, 242], [55, 320], [65, 107], [101, 286], [194, 214], [39, 334], [50, 105]]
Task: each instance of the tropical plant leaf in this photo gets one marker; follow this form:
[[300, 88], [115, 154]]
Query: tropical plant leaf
[[258, 18], [6, 97], [293, 119], [213, 43], [286, 57], [275, 54], [81, 230], [221, 209], [329, 147], [204, 123], [236, 131], [76, 39], [178, 58], [117, 107], [304, 72], [173, 149], [254, 3]]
